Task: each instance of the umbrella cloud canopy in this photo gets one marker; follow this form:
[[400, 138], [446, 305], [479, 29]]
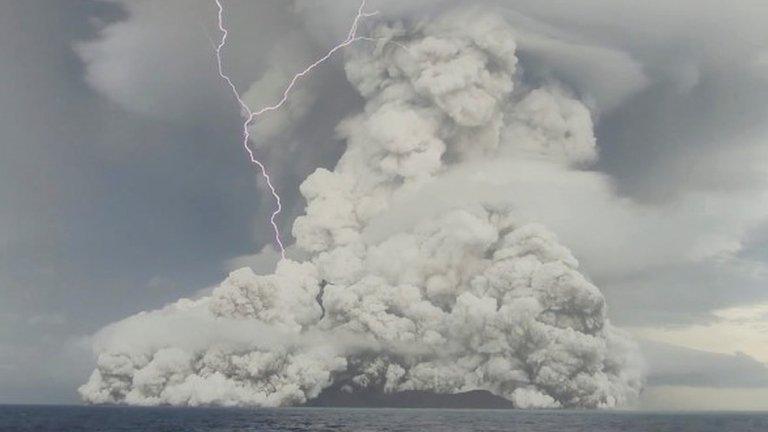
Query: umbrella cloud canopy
[[479, 294]]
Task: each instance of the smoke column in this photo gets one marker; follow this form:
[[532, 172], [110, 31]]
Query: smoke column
[[420, 267], [251, 116]]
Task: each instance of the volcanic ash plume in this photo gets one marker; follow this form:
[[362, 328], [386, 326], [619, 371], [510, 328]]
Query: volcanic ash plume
[[476, 297]]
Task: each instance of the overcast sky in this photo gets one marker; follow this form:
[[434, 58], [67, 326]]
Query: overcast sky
[[123, 186]]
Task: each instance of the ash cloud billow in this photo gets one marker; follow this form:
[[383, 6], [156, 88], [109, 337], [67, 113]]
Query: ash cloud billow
[[473, 297]]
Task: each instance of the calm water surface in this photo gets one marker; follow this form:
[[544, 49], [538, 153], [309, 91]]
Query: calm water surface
[[81, 418]]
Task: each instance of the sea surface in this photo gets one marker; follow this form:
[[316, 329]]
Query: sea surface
[[20, 418]]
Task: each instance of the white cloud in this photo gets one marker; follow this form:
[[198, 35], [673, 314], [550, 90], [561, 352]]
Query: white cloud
[[261, 263], [736, 329], [604, 76], [474, 297], [155, 62]]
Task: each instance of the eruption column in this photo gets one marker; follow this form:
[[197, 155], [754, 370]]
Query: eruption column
[[251, 115]]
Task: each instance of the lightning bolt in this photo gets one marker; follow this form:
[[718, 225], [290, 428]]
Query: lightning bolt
[[250, 115]]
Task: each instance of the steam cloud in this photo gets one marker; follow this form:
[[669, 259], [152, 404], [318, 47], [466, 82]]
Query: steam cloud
[[476, 297]]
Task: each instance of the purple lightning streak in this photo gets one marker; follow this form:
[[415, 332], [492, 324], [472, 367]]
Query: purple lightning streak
[[251, 115]]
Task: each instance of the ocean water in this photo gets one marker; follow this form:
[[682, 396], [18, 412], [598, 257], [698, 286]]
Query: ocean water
[[90, 419]]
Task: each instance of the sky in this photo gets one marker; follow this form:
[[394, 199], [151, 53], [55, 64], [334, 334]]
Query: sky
[[123, 186]]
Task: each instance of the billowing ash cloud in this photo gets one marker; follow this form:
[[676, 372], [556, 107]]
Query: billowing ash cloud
[[476, 297]]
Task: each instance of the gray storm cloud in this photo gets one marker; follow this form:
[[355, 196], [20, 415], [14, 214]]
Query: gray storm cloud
[[475, 297]]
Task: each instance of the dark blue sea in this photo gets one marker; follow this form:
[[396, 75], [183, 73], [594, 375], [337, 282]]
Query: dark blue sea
[[84, 418]]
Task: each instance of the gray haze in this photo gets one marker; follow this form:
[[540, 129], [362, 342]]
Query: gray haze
[[123, 188]]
